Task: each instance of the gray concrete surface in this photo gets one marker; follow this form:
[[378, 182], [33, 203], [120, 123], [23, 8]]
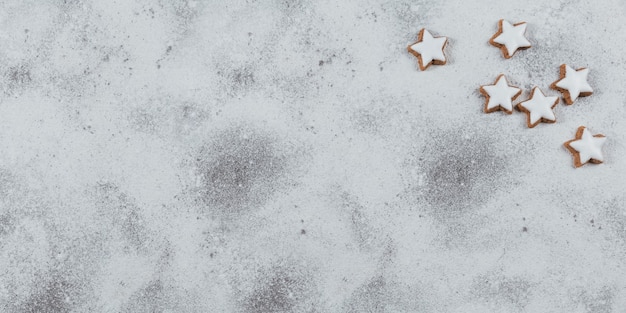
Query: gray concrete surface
[[288, 156]]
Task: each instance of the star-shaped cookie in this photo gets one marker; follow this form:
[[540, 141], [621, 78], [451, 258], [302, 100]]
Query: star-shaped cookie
[[538, 108], [572, 83], [499, 95], [510, 38], [428, 49], [586, 147]]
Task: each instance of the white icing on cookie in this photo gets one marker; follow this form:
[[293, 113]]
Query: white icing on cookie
[[589, 147], [575, 81], [512, 37], [430, 48], [539, 106], [501, 94]]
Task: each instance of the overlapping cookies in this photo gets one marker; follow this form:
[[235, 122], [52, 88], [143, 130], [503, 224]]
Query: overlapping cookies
[[499, 96]]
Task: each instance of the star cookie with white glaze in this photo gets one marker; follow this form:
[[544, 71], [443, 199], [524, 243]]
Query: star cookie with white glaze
[[572, 83], [538, 108], [428, 49], [500, 95], [586, 148], [510, 38]]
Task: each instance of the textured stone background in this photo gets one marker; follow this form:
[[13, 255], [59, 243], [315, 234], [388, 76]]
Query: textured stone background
[[288, 156]]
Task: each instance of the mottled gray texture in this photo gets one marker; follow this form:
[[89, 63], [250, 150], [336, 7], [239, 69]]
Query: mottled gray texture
[[289, 156]]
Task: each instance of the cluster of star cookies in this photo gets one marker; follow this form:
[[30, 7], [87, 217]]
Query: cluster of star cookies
[[500, 96]]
